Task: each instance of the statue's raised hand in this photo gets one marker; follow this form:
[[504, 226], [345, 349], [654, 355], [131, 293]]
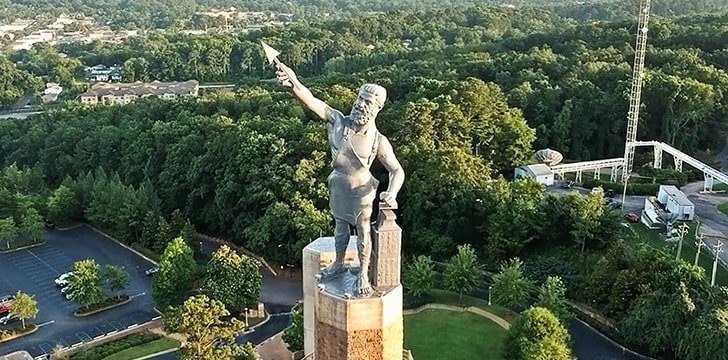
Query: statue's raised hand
[[389, 198], [286, 76]]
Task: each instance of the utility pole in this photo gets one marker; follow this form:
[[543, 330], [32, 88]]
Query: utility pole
[[718, 249], [699, 243], [638, 70], [682, 230]]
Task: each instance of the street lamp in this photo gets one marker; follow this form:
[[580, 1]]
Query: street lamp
[[246, 318], [490, 291]]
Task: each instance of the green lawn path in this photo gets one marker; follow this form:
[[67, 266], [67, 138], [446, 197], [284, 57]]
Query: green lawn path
[[442, 334], [146, 349]]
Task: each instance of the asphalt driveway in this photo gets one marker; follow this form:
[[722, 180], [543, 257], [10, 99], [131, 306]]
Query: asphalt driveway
[[33, 270]]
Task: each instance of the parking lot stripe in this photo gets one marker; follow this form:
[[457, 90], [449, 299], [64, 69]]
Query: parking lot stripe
[[41, 260]]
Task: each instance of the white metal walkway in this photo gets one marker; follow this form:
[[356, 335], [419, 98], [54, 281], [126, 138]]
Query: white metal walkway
[[595, 165], [711, 175]]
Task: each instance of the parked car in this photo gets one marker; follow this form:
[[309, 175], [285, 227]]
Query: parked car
[[62, 280], [610, 193], [633, 218], [5, 302], [8, 318], [568, 184], [151, 271]]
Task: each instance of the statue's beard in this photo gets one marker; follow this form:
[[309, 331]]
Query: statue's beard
[[361, 118]]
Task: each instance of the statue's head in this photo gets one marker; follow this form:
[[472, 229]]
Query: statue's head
[[368, 104]]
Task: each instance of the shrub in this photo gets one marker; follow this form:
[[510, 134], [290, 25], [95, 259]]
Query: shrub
[[130, 341]]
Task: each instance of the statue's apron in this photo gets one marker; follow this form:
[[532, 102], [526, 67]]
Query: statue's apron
[[350, 189]]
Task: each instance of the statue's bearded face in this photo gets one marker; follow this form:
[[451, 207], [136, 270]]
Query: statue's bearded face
[[365, 109]]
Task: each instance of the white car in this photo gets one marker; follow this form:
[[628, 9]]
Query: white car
[[8, 318], [63, 279]]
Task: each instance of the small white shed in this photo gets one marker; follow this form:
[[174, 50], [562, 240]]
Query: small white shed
[[542, 173], [676, 202]]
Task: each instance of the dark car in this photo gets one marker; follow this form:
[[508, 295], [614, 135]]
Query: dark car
[[633, 218], [567, 184], [609, 193], [8, 318]]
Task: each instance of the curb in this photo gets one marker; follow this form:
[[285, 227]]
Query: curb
[[20, 335], [252, 328], [128, 300], [157, 354], [23, 248], [122, 244], [75, 226]]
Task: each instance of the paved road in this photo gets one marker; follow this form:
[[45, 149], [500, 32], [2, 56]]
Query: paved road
[[713, 223], [33, 271], [590, 344]]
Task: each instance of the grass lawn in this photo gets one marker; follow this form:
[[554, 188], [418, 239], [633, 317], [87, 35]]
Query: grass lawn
[[442, 334], [723, 208], [450, 298], [654, 238], [146, 349]]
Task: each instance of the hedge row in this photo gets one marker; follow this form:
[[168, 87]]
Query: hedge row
[[102, 351], [9, 334], [86, 309], [632, 189]]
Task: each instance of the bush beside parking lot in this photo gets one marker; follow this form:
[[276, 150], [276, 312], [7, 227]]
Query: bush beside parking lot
[[102, 305], [7, 335], [127, 342]]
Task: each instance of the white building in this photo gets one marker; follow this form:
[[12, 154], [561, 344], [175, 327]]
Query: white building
[[124, 93], [671, 203], [540, 172], [676, 202]]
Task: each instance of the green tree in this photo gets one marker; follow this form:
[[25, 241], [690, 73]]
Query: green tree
[[537, 335], [24, 306], [32, 225], [116, 278], [552, 296], [63, 207], [85, 285], [209, 330], [233, 279], [293, 336], [177, 268], [511, 287], [463, 272], [419, 276], [8, 231]]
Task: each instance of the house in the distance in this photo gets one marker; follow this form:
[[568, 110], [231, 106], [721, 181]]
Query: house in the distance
[[104, 73], [541, 172], [670, 204], [124, 93]]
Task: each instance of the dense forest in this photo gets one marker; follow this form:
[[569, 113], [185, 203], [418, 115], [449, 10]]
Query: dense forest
[[165, 13], [570, 79]]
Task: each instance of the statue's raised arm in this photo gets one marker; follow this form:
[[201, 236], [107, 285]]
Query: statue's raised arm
[[288, 78]]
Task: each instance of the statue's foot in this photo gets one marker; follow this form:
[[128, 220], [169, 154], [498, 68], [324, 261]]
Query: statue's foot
[[332, 270], [364, 288]]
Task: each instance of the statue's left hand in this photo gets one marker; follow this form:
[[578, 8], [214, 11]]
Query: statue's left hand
[[389, 198]]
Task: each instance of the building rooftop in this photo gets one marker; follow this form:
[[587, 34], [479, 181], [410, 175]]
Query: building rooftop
[[539, 169], [677, 195], [140, 88]]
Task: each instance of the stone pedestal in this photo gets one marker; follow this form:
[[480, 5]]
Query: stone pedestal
[[341, 326], [359, 329]]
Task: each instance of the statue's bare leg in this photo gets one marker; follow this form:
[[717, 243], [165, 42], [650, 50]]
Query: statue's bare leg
[[341, 241], [364, 245]]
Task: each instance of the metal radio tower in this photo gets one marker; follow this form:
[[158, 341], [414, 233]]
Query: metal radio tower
[[636, 91]]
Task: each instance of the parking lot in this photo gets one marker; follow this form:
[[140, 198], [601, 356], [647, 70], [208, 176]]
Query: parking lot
[[33, 270]]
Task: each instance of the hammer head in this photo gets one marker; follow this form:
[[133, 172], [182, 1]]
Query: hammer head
[[270, 53]]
